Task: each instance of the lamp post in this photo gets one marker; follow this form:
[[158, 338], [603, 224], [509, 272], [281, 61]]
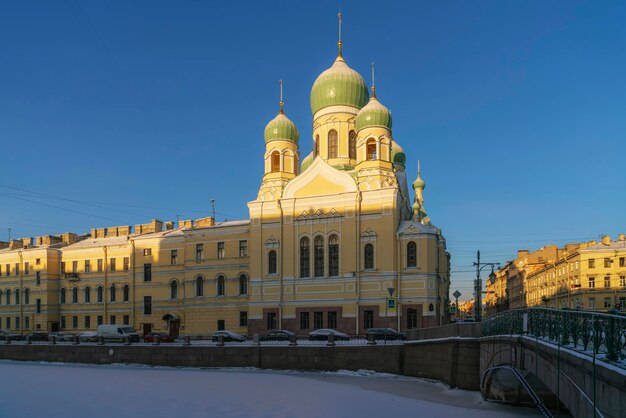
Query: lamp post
[[478, 285]]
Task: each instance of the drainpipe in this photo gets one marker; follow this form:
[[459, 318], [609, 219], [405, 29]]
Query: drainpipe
[[21, 266], [438, 310], [132, 291], [105, 290], [357, 247], [281, 245], [399, 266]]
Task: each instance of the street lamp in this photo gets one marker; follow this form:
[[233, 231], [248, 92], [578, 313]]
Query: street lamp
[[478, 285]]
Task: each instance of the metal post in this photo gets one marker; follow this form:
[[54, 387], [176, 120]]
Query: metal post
[[477, 289], [187, 342], [293, 341], [331, 340], [220, 340]]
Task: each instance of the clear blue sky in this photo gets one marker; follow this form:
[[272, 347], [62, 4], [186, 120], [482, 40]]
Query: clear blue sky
[[135, 110]]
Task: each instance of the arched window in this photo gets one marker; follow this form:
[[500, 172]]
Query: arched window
[[74, 295], [333, 256], [174, 289], [1, 294], [17, 296], [126, 293], [352, 145], [333, 144], [87, 294], [99, 294], [431, 307], [112, 293], [221, 285], [275, 161], [368, 257], [61, 296], [305, 257], [26, 296], [411, 254], [318, 262], [316, 145], [371, 149], [199, 286], [271, 262], [243, 284]]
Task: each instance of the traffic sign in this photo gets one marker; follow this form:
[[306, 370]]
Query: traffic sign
[[456, 294]]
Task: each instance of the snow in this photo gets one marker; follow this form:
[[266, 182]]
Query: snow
[[72, 390]]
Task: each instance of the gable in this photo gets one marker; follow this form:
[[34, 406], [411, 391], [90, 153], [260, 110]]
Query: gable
[[319, 179]]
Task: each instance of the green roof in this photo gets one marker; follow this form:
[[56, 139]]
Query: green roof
[[281, 128], [373, 114], [339, 85]]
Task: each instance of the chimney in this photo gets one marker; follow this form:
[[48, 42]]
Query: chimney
[[208, 221], [15, 243], [3, 244], [606, 240], [168, 225], [522, 253], [621, 237]]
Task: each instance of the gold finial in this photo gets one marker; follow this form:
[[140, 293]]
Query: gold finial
[[282, 104], [373, 83], [418, 168], [340, 44]]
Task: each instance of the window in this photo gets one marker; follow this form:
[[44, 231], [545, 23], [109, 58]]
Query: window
[[199, 286], [8, 269], [622, 281], [38, 305], [592, 282], [221, 286], [62, 267], [147, 251], [592, 303], [100, 265], [243, 284], [352, 145], [370, 149], [607, 281], [74, 322], [174, 257], [592, 263], [74, 266], [368, 256], [221, 325], [87, 266], [199, 252], [316, 145], [271, 262], [126, 320], [607, 302], [220, 249], [147, 305], [271, 320], [622, 261], [174, 289], [126, 263], [431, 307], [26, 296], [17, 322], [243, 248], [112, 264], [333, 144], [74, 295], [26, 322], [62, 322], [112, 293], [61, 297], [26, 269], [318, 320], [333, 256], [607, 262], [17, 296], [411, 254], [112, 320], [275, 161], [125, 293], [411, 318], [100, 320], [304, 320], [8, 321], [319, 257], [87, 294], [87, 322], [332, 319], [147, 272], [305, 257], [243, 319], [38, 261], [99, 294], [37, 278]]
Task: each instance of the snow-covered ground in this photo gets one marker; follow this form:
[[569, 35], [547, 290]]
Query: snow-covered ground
[[73, 390]]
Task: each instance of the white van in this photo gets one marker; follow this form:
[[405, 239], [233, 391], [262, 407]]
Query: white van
[[117, 332]]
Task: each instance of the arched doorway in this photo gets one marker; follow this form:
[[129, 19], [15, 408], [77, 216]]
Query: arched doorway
[[173, 324]]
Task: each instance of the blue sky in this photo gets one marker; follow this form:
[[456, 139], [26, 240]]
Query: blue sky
[[117, 112]]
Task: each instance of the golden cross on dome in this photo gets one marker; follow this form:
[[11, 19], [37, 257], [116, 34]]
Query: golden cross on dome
[[281, 97], [340, 43]]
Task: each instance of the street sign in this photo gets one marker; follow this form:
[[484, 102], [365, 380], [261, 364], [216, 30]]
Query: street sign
[[391, 304], [456, 294], [391, 290]]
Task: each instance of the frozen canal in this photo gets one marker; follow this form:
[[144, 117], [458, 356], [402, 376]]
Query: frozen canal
[[72, 390]]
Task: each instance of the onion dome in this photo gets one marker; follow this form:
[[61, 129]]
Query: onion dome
[[306, 163], [373, 114], [419, 183], [397, 154], [338, 85], [281, 128]]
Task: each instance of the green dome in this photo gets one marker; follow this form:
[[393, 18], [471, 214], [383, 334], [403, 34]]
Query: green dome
[[339, 85], [419, 183], [373, 114], [281, 128], [397, 154], [306, 163]]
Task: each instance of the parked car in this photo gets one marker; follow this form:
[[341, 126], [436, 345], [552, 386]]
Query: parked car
[[163, 337], [5, 333], [228, 336], [323, 333], [38, 336], [117, 332], [88, 336], [278, 335], [386, 334], [60, 336]]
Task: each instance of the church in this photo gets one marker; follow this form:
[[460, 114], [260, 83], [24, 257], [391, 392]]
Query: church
[[334, 240]]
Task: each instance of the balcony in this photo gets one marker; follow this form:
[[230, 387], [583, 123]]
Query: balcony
[[72, 277]]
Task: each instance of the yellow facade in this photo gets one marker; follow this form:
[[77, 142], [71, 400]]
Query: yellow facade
[[333, 240]]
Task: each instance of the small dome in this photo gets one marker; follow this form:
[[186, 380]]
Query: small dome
[[339, 85], [397, 154], [306, 163], [373, 114], [281, 128], [419, 183]]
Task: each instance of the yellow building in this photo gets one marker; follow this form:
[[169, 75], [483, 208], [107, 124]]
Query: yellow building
[[589, 276], [333, 241]]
